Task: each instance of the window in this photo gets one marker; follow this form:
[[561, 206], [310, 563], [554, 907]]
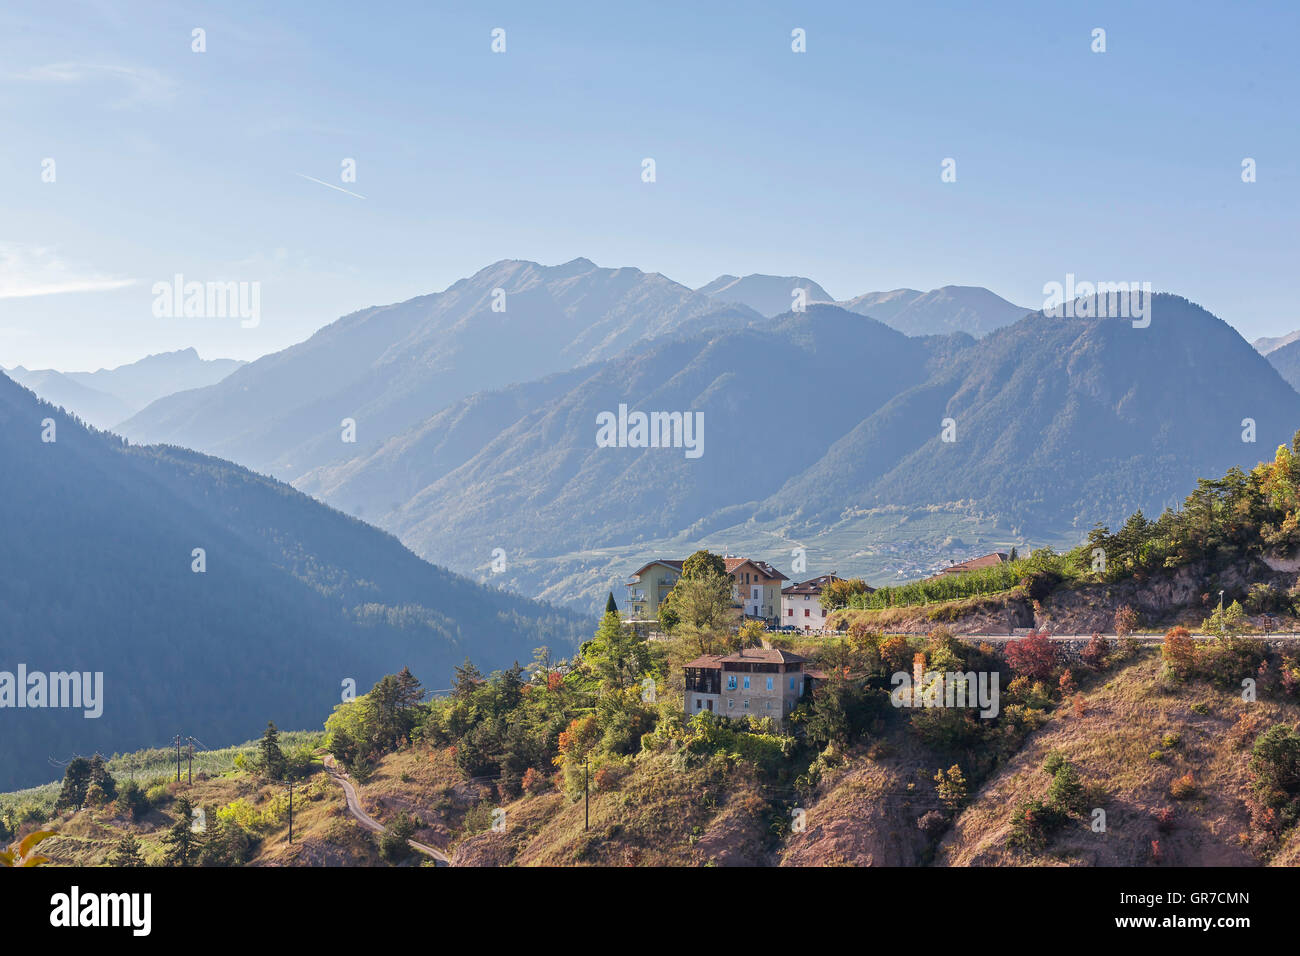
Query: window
[[769, 683], [792, 683], [789, 612], [823, 612], [710, 703], [769, 705], [747, 703], [807, 597], [807, 612], [697, 703], [746, 682], [731, 702], [731, 682]]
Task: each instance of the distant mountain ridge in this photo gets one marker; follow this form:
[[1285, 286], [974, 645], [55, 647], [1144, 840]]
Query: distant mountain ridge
[[768, 295], [1267, 345], [1286, 359], [108, 396], [971, 309]]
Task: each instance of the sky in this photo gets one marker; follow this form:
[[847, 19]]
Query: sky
[[226, 165]]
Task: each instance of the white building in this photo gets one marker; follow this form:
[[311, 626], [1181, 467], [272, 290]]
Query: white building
[[801, 604]]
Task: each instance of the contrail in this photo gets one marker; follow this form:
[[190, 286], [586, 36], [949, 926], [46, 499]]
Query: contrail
[[330, 185]]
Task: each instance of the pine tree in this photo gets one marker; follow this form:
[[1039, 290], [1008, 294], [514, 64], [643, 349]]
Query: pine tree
[[409, 688], [272, 757], [76, 782], [610, 606], [127, 852], [100, 776], [467, 680], [183, 844]]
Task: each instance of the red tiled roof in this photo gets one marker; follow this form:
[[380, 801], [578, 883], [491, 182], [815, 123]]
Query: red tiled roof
[[668, 562], [763, 655], [762, 567], [708, 660], [815, 585], [983, 561]]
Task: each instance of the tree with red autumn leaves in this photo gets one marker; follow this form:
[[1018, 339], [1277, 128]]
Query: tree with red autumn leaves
[[1033, 656]]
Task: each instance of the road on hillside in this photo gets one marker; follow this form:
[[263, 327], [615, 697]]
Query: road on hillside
[[339, 776], [1140, 637]]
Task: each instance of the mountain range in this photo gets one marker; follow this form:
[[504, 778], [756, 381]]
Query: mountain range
[[388, 368], [813, 420], [109, 396], [475, 421], [209, 596]]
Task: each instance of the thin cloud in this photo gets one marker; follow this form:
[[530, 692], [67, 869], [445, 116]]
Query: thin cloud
[[144, 85], [28, 270]]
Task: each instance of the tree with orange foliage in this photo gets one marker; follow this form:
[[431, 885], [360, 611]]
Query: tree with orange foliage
[[1179, 652], [895, 653]]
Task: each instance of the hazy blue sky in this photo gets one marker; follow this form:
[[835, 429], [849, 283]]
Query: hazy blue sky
[[1117, 166]]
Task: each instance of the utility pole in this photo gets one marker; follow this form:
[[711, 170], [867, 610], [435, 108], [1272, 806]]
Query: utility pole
[[190, 770], [586, 794], [178, 758], [291, 813]]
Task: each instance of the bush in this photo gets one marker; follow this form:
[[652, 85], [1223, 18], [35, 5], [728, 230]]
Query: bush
[[534, 782], [133, 800], [1033, 823], [1094, 652], [1183, 787], [1275, 772], [932, 824], [1126, 620], [1067, 792], [393, 845]]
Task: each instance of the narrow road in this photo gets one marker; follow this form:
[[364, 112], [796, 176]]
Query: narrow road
[[339, 776]]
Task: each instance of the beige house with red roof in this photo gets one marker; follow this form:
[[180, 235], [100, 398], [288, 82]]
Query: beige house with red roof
[[755, 588], [754, 682]]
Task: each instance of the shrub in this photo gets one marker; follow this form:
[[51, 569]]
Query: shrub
[[1126, 620], [1067, 792], [1094, 652], [932, 823], [1179, 652], [1275, 772], [1183, 787], [951, 787], [393, 845], [535, 782], [1033, 823]]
